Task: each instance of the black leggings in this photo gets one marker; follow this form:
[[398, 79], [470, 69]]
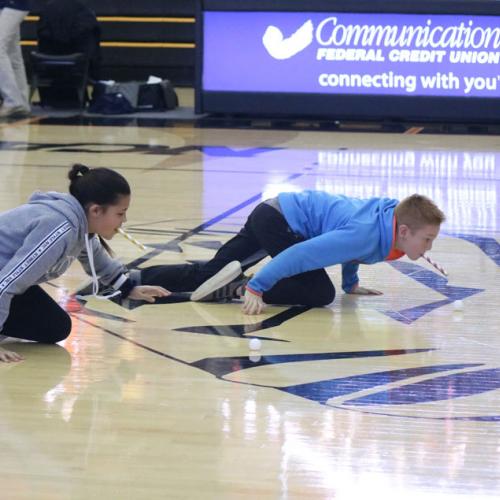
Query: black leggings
[[265, 229], [34, 315]]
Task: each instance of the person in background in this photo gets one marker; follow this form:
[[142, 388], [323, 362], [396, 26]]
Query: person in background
[[14, 90], [69, 27]]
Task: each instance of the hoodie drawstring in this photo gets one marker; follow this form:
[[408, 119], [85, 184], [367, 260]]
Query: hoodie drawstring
[[95, 281], [90, 256]]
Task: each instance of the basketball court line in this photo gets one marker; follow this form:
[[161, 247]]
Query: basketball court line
[[272, 322], [489, 419], [134, 342]]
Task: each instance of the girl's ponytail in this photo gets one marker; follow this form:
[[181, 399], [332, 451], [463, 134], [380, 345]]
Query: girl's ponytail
[[77, 170]]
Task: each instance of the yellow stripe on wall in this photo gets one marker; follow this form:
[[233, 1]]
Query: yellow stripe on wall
[[141, 45], [150, 45], [124, 19], [111, 19]]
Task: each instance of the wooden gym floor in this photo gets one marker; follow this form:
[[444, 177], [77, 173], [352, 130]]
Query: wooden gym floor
[[396, 395]]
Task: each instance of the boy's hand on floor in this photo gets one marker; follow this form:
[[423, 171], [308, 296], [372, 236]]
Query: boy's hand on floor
[[253, 303], [361, 290], [9, 356]]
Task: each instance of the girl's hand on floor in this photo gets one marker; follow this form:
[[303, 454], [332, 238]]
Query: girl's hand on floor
[[9, 356], [148, 293]]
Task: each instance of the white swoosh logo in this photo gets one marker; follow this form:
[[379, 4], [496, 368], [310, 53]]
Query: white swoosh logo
[[284, 48]]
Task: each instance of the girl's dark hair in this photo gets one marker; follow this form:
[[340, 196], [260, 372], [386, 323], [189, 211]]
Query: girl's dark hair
[[101, 186]]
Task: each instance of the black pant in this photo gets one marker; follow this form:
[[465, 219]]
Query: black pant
[[33, 315], [265, 229]]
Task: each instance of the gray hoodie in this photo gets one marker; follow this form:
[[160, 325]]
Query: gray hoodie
[[40, 240]]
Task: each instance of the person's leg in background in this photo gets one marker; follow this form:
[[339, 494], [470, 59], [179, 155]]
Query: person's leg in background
[[13, 83], [35, 316], [18, 62]]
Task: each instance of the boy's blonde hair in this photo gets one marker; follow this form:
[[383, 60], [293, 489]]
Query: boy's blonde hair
[[418, 211]]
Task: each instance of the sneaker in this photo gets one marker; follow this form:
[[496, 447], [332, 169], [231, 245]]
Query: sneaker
[[223, 285]]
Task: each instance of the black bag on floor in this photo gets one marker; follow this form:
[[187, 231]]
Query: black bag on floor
[[157, 96], [141, 96], [113, 103]]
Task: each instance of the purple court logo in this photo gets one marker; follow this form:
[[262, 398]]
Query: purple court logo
[[352, 53]]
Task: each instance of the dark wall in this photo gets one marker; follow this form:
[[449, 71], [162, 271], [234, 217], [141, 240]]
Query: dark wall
[[133, 49]]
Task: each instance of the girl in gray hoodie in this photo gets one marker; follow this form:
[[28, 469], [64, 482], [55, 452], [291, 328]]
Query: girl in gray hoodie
[[42, 238]]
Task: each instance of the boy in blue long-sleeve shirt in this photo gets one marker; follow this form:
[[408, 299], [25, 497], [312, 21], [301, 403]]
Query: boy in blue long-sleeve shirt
[[304, 233], [308, 231]]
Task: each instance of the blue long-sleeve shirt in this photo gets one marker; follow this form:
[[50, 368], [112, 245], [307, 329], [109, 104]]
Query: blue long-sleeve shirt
[[337, 230]]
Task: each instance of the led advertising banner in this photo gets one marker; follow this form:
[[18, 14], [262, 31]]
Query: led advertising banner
[[378, 54]]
